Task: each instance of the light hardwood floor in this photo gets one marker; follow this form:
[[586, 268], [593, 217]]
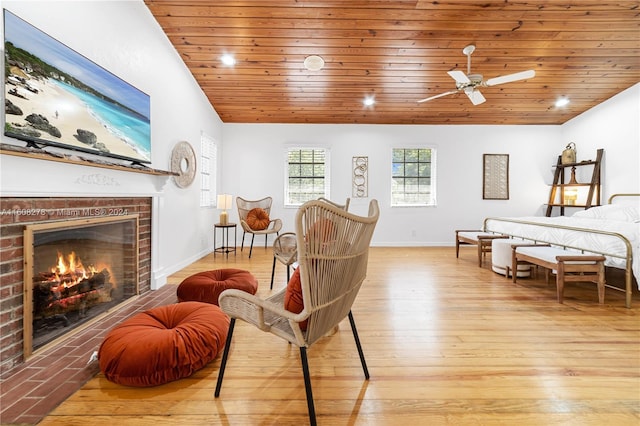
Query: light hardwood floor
[[446, 342]]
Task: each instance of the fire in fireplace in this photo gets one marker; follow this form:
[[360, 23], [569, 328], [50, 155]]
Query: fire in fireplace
[[64, 294], [74, 272]]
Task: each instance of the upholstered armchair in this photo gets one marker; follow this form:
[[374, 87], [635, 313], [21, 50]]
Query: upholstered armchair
[[255, 220], [333, 252]]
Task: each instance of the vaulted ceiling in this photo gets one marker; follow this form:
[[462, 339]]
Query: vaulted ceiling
[[398, 52]]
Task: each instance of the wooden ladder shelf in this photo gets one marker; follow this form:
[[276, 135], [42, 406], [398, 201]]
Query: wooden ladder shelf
[[559, 194]]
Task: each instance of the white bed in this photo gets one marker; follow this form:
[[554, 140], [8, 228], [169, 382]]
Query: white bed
[[612, 230]]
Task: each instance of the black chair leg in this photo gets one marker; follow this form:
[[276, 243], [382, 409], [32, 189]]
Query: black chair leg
[[225, 355], [307, 386], [357, 339], [242, 246], [251, 249], [273, 271]]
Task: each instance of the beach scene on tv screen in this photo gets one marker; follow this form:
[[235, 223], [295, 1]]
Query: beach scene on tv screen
[[54, 95]]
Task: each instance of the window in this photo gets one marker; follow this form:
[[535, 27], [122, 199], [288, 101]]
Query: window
[[306, 177], [413, 177], [208, 168]]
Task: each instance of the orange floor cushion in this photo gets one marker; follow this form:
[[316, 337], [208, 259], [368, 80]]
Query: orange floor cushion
[[163, 344], [206, 286]]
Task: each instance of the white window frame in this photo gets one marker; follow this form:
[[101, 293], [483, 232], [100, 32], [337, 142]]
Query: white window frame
[[208, 170], [432, 200], [327, 171]]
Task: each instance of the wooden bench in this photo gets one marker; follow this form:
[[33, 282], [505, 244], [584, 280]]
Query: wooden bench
[[569, 266], [477, 238]]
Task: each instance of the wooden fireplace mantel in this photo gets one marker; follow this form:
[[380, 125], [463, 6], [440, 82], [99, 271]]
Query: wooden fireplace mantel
[[38, 154]]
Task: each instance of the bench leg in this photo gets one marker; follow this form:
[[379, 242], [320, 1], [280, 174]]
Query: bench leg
[[559, 282], [601, 282]]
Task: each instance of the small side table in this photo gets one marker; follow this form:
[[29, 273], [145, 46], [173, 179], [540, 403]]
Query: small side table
[[224, 230]]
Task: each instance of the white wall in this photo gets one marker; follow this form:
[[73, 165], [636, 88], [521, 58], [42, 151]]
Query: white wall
[[124, 38], [615, 126], [532, 150]]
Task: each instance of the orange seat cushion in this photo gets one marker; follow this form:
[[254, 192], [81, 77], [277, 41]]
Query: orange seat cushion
[[258, 219], [293, 301], [206, 286], [163, 344], [322, 231]]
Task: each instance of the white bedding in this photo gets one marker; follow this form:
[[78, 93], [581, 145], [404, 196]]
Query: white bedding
[[612, 247]]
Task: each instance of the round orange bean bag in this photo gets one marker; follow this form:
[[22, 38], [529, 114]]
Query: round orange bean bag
[[163, 344], [206, 286]]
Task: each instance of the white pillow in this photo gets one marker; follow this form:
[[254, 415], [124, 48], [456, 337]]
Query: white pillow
[[611, 212]]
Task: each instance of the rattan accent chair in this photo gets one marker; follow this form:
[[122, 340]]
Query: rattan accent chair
[[344, 206], [333, 252], [244, 207], [285, 249]]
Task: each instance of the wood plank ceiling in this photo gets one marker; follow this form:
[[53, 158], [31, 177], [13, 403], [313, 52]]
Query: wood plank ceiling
[[399, 51]]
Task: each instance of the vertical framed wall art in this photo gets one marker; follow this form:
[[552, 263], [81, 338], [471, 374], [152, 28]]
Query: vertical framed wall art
[[495, 177], [360, 181]]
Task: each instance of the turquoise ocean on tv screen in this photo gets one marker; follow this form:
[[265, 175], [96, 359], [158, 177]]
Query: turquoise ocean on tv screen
[[116, 119]]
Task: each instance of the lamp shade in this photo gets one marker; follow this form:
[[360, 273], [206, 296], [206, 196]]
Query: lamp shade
[[224, 201]]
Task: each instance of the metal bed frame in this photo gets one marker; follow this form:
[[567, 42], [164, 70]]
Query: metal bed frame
[[627, 256]]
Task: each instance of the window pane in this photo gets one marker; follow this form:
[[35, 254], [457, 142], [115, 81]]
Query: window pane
[[305, 175], [411, 169], [208, 154], [411, 180], [294, 156]]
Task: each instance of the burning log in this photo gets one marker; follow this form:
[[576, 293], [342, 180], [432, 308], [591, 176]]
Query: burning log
[[69, 287]]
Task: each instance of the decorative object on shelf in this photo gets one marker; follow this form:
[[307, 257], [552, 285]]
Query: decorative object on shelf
[[495, 178], [569, 154], [224, 203], [360, 177], [570, 193], [570, 197], [573, 193], [183, 162]]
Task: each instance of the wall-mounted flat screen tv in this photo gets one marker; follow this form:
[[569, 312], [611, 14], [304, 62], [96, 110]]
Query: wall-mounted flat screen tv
[[55, 96]]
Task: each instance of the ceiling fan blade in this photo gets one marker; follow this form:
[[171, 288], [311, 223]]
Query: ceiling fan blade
[[459, 77], [523, 75], [475, 96], [437, 96]]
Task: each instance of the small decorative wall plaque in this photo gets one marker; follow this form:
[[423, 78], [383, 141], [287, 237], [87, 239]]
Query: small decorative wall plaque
[[360, 177], [495, 179]]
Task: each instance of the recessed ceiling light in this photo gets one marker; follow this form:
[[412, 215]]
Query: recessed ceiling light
[[369, 100], [228, 60], [562, 102], [313, 63]]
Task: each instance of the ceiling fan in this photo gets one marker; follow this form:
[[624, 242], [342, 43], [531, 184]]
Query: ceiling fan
[[470, 83]]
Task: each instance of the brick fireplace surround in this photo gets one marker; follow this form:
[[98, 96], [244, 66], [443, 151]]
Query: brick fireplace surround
[[15, 213]]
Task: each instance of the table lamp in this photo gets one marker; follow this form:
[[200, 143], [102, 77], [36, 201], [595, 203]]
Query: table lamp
[[224, 203], [571, 193]]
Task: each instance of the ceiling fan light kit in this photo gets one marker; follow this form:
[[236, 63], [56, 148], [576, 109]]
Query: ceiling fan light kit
[[469, 83]]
